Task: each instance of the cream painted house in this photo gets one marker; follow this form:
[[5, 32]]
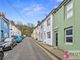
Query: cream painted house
[[14, 30], [35, 33]]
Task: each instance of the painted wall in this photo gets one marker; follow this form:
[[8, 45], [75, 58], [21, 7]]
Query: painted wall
[[35, 33], [42, 32], [14, 30], [4, 26], [44, 29], [0, 29], [49, 29], [77, 24], [60, 23]]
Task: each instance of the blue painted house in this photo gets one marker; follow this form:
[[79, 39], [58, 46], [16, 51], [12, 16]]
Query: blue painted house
[[4, 27]]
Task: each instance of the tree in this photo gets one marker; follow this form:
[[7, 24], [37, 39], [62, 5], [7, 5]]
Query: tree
[[26, 30]]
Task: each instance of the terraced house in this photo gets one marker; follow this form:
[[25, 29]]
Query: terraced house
[[13, 29], [4, 27], [36, 32], [7, 28], [46, 32], [67, 24], [61, 27]]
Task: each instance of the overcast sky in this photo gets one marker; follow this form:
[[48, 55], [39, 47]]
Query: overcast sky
[[27, 11]]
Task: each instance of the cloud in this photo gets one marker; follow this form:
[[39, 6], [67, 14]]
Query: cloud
[[56, 0], [59, 0], [34, 9], [57, 3], [55, 6]]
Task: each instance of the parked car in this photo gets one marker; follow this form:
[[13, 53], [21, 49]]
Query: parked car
[[22, 37], [1, 52], [18, 38], [9, 43]]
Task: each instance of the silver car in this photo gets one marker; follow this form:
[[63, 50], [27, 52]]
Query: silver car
[[1, 52], [9, 43]]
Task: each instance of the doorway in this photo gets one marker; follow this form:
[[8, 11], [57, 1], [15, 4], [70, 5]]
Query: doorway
[[56, 38]]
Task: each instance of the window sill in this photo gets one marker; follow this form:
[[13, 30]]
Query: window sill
[[68, 43]]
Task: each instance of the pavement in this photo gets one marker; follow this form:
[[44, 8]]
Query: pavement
[[56, 52], [59, 54], [27, 50]]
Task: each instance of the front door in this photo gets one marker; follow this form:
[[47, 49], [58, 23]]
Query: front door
[[56, 38]]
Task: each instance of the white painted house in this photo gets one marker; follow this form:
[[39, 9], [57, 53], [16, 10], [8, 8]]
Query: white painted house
[[14, 30], [35, 33], [46, 31]]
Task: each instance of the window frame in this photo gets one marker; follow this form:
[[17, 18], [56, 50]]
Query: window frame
[[49, 35], [67, 42], [69, 11], [48, 21]]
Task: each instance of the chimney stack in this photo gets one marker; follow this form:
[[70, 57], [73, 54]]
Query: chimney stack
[[2, 14]]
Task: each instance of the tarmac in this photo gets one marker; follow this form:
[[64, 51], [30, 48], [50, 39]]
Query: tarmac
[[58, 53]]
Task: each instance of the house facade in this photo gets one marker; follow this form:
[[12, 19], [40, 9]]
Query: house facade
[[7, 28], [4, 27], [46, 30], [61, 27], [66, 25], [14, 30], [34, 34], [41, 32]]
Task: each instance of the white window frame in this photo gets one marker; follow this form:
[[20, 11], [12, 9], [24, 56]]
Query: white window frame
[[69, 43], [69, 10], [48, 35], [48, 21]]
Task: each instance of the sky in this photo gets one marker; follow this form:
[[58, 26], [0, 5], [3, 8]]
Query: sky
[[27, 11]]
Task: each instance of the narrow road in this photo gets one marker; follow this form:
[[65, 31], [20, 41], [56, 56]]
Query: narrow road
[[26, 50]]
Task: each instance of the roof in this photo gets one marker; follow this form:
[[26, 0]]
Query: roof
[[3, 17], [63, 3], [54, 10]]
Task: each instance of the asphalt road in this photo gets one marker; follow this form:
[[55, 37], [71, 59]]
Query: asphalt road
[[26, 50]]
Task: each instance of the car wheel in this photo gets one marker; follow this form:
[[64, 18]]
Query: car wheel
[[1, 55], [15, 44]]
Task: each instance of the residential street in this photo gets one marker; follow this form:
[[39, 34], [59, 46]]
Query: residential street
[[26, 50]]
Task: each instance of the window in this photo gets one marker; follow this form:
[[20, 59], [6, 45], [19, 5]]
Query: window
[[69, 10], [69, 35], [48, 34], [41, 26], [48, 21]]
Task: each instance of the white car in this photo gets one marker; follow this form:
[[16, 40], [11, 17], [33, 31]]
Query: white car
[[9, 43]]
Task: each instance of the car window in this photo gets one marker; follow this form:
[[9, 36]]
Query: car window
[[8, 39]]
